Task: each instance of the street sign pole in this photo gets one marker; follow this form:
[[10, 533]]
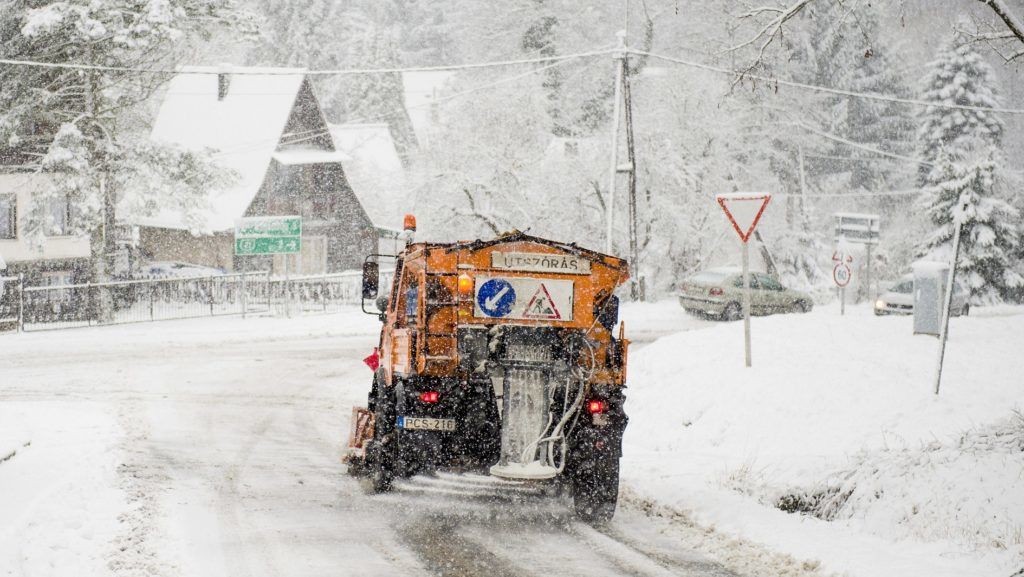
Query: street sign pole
[[744, 210], [746, 303], [842, 301], [948, 304], [287, 297]]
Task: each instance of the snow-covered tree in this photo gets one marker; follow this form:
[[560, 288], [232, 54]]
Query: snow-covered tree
[[958, 76], [964, 149], [965, 193], [85, 124]]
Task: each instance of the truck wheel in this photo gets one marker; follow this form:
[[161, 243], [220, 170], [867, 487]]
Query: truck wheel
[[385, 445], [596, 491]]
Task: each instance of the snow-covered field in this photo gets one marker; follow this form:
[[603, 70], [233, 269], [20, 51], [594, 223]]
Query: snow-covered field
[[838, 415], [210, 446]]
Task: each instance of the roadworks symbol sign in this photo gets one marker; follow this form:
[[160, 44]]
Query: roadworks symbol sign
[[542, 306]]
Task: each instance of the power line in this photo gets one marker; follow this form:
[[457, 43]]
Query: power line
[[850, 194], [825, 89], [303, 72], [318, 133]]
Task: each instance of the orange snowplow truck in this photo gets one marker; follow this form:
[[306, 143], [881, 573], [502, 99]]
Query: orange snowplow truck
[[503, 356]]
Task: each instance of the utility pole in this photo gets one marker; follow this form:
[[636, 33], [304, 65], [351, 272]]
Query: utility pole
[[636, 285], [620, 57]]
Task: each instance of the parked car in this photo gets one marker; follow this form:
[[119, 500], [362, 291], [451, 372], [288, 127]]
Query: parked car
[[719, 292], [899, 300]]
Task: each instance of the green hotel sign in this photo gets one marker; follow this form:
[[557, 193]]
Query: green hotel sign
[[268, 235]]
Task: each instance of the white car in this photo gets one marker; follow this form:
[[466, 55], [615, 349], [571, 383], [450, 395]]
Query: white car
[[899, 300]]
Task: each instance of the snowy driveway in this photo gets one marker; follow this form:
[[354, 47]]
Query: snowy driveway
[[212, 447]]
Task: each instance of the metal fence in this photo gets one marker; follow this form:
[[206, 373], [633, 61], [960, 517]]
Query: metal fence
[[32, 308]]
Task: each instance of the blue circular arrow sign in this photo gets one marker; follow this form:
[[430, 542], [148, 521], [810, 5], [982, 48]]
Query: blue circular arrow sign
[[496, 297]]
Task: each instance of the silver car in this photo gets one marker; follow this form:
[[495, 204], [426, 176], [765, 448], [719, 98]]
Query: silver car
[[899, 300]]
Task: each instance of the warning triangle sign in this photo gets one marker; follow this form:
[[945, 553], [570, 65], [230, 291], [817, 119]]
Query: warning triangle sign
[[744, 210], [541, 306]]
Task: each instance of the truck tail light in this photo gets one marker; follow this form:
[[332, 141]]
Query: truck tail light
[[715, 292], [430, 396], [596, 406]]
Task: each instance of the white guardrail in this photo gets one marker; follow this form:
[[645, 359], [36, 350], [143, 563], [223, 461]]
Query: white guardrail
[[31, 308]]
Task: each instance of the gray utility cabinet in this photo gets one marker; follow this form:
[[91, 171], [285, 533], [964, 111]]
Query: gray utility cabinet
[[930, 280]]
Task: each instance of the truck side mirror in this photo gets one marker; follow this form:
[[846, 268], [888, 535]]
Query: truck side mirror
[[608, 313], [371, 279]]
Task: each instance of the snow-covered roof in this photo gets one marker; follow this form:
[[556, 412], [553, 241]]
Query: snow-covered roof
[[374, 170], [421, 89], [244, 128]]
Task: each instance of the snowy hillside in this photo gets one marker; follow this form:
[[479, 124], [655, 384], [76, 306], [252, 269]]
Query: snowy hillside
[[837, 419]]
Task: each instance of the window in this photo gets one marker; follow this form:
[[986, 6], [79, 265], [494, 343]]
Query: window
[[903, 287], [769, 283], [738, 283], [58, 278], [8, 217], [60, 212]]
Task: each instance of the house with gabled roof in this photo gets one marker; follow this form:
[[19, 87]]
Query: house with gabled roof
[[266, 126]]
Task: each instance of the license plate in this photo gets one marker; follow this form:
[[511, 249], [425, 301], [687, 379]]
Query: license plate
[[426, 423]]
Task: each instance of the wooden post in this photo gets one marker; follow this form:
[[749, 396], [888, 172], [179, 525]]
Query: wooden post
[[21, 302]]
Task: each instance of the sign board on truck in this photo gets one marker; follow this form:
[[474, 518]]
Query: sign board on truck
[[523, 298]]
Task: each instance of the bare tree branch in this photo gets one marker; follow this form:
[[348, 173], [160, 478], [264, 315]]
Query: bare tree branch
[[1012, 22], [770, 31]]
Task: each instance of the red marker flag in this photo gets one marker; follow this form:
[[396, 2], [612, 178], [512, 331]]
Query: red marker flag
[[373, 361]]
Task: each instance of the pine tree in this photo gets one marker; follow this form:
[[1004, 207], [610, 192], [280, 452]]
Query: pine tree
[[964, 149], [958, 76], [846, 50], [964, 192]]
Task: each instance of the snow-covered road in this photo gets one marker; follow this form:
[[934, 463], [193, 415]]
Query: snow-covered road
[[212, 447]]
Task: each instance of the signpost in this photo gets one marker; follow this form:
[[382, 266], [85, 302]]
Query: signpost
[[268, 235], [842, 273], [744, 210], [860, 229]]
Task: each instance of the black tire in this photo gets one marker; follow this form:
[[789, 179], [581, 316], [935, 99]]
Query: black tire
[[596, 491], [384, 460], [966, 310], [733, 312]]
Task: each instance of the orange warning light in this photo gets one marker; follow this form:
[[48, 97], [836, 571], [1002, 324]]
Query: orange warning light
[[409, 223], [465, 284]]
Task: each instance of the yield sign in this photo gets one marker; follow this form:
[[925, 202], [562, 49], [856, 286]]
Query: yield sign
[[542, 306], [744, 210]]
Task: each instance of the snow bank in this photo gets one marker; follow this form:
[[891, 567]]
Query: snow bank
[[58, 495], [832, 398]]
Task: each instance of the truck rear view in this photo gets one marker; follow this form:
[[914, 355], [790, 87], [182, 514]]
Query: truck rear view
[[503, 356]]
